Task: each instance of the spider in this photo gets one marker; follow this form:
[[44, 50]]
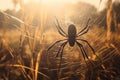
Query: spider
[[72, 37]]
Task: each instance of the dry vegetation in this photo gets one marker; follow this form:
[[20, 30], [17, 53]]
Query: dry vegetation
[[23, 48]]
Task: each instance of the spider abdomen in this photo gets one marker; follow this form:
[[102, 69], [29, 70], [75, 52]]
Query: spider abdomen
[[71, 35]]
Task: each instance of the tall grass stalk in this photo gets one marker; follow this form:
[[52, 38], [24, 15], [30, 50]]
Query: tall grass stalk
[[109, 19]]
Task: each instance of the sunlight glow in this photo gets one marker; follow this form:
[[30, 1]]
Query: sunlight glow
[[57, 1], [50, 2], [96, 3]]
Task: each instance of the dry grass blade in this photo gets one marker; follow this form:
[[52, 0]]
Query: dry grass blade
[[109, 19], [25, 67], [37, 64]]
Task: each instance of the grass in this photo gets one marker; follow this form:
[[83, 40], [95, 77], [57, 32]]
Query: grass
[[29, 62]]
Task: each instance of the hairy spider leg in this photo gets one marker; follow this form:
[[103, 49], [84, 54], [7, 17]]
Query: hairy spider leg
[[84, 30], [87, 44], [55, 44], [83, 51], [50, 48], [84, 27], [61, 51], [86, 54], [60, 30], [90, 47], [60, 27], [79, 45]]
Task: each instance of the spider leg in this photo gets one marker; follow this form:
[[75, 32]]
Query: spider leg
[[84, 30], [83, 50], [55, 44], [89, 46], [81, 46], [61, 51], [60, 30], [50, 48]]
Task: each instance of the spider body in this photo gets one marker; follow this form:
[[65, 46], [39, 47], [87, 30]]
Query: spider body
[[71, 35]]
